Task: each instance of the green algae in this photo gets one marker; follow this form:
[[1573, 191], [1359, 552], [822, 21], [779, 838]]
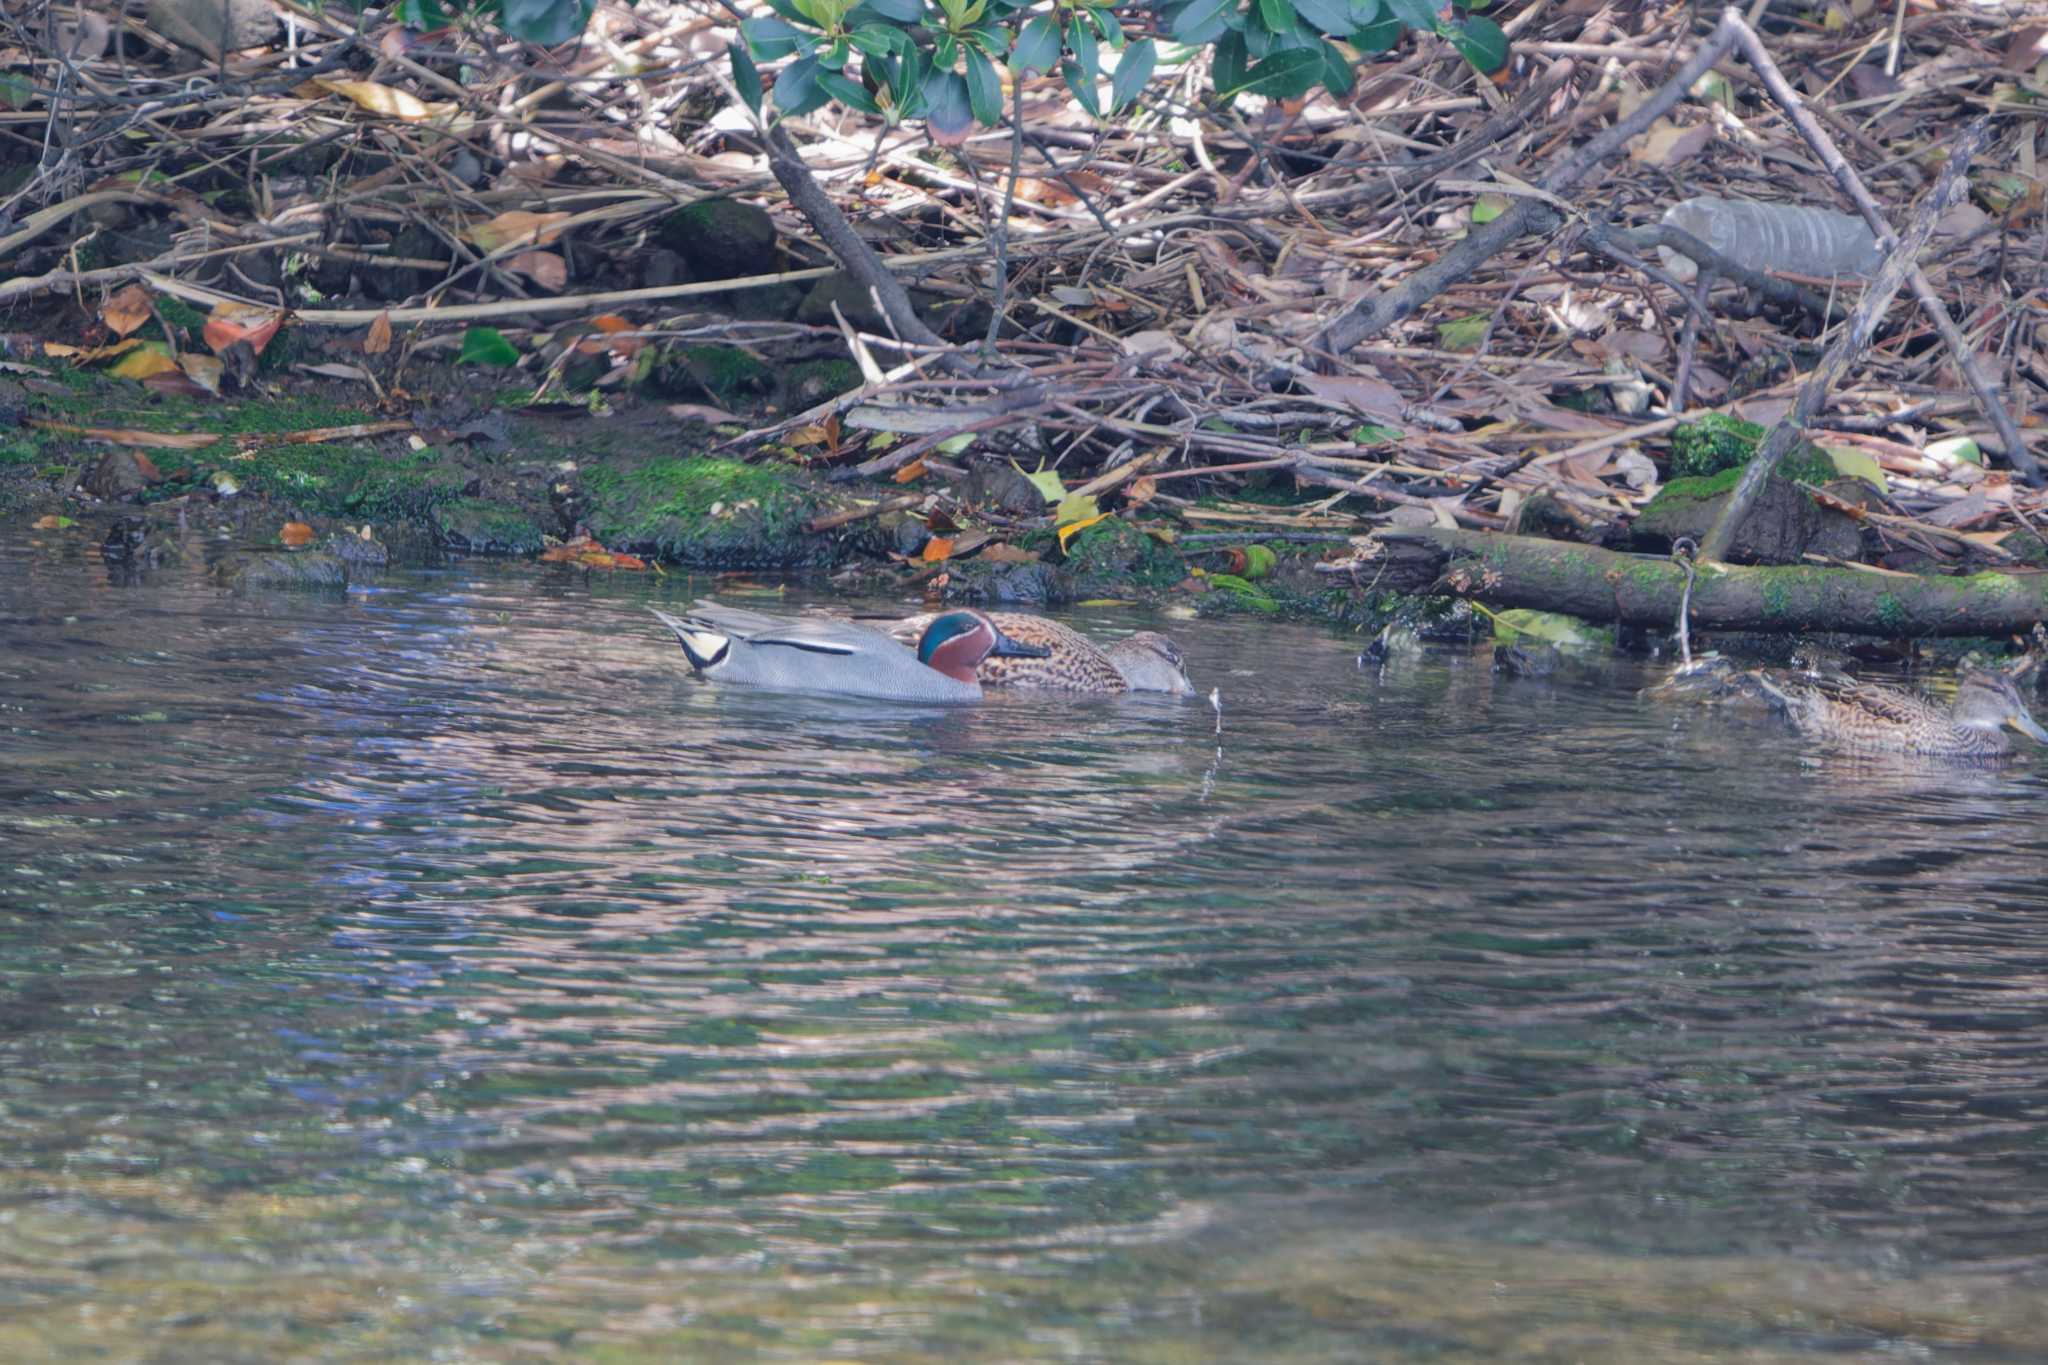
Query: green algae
[[705, 511]]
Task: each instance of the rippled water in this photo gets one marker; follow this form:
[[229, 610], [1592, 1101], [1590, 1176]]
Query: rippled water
[[437, 972]]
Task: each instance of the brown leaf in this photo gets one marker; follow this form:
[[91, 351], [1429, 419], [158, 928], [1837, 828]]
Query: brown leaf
[[126, 310], [1142, 490], [544, 268], [174, 382], [1004, 553], [909, 472], [203, 370], [377, 340], [382, 99], [1666, 144], [936, 549], [296, 534], [1373, 397], [232, 322], [515, 226]]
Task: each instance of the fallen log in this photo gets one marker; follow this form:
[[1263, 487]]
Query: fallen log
[[1602, 585]]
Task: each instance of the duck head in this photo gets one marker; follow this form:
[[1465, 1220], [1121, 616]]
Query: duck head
[[956, 643], [1151, 663], [1990, 701]]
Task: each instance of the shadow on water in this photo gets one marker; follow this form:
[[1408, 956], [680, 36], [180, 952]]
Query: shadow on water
[[438, 970]]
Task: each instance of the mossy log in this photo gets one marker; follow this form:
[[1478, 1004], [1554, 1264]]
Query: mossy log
[[1600, 585]]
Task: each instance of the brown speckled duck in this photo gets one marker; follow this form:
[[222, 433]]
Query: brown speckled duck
[[1143, 662], [1870, 717]]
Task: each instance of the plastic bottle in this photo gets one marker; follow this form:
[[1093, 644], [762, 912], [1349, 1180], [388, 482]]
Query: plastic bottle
[[1792, 238]]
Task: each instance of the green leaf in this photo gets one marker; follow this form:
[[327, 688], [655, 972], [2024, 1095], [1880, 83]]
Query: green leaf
[[902, 11], [1331, 16], [772, 39], [1547, 626], [797, 90], [984, 88], [16, 91], [1075, 507], [546, 22], [1133, 69], [1488, 207], [1082, 86], [1202, 21], [1105, 24], [1462, 334], [1038, 46], [1081, 42], [1284, 75], [1372, 434], [1852, 463], [947, 107], [848, 91], [746, 77], [1379, 37], [1227, 65], [1483, 45], [1046, 481], [1420, 15], [878, 40], [1338, 77], [487, 346], [1277, 15]]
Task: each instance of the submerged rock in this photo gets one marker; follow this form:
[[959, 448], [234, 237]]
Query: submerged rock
[[264, 571], [480, 526], [120, 475]]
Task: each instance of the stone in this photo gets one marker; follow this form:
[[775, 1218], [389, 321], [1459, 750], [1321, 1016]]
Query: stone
[[252, 571], [214, 28], [721, 239], [120, 476], [1784, 525]]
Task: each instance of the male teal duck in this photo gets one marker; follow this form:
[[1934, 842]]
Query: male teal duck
[[1069, 661], [821, 654], [1867, 716]]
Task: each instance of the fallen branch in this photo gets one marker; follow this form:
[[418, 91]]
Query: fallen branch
[[1602, 585]]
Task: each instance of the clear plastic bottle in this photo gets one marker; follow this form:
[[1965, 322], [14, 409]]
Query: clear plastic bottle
[[1791, 238]]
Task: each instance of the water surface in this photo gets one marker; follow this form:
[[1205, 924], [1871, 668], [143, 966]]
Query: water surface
[[438, 972]]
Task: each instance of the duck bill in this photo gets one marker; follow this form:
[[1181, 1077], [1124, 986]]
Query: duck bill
[[2028, 726], [1017, 649]]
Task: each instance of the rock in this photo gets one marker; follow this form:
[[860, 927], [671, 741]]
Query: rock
[[999, 485], [981, 580], [480, 526], [120, 475], [213, 28], [721, 239], [1784, 525], [356, 551], [251, 571]]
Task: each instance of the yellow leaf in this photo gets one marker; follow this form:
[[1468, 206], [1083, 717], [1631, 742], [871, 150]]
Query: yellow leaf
[[142, 362], [203, 370], [382, 99], [1072, 529], [516, 225]]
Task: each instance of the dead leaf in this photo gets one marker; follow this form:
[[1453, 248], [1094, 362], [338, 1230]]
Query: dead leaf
[[150, 358], [231, 322], [127, 436], [1142, 490], [544, 268], [125, 310], [1004, 553], [175, 382], [516, 226], [86, 355], [53, 522], [1666, 144], [203, 370], [377, 340], [909, 472], [937, 549], [1373, 397], [699, 412], [382, 99], [337, 371], [296, 534]]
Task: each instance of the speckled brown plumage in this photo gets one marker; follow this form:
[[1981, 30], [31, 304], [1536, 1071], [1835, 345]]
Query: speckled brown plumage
[[1143, 662], [1868, 716]]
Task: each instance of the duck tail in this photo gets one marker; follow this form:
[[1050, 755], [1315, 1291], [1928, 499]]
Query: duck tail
[[703, 648]]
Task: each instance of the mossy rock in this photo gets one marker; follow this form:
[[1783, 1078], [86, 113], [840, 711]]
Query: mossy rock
[[731, 376], [708, 513], [721, 239], [480, 526], [985, 580], [1112, 556], [351, 481], [251, 571], [813, 381], [1784, 524], [1717, 442]]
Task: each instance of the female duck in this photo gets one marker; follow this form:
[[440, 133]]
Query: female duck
[[1068, 661], [1861, 715], [819, 654]]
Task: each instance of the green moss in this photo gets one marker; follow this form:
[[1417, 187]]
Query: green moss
[[698, 510], [479, 525], [1113, 555], [1891, 613], [1717, 443], [348, 480], [814, 381], [730, 373]]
